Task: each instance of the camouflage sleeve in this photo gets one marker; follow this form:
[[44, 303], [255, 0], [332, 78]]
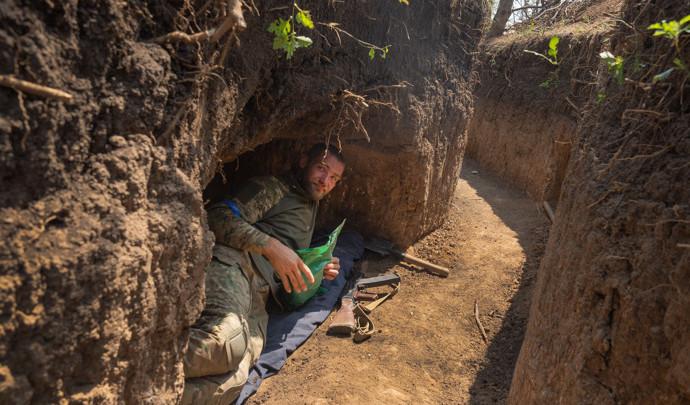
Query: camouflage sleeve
[[252, 201]]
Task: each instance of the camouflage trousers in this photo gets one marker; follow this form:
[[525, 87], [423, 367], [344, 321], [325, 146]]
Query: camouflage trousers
[[226, 341]]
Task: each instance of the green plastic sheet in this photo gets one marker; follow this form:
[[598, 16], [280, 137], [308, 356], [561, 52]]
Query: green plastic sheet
[[315, 258]]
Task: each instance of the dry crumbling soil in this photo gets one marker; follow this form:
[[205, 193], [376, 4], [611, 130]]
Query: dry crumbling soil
[[428, 347], [104, 237]]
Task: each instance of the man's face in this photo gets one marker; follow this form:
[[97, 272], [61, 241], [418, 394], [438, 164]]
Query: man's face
[[319, 176]]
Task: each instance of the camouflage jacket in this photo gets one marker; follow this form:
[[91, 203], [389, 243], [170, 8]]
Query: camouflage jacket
[[264, 206]]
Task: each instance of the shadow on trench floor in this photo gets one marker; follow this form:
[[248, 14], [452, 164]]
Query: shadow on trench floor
[[526, 219]]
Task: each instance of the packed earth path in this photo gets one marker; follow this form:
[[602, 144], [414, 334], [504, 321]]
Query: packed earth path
[[428, 347]]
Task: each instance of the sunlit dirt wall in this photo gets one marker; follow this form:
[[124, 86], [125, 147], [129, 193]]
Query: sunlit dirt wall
[[103, 230], [528, 110], [609, 321]]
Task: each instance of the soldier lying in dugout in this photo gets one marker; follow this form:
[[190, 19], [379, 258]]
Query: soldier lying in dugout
[[257, 231]]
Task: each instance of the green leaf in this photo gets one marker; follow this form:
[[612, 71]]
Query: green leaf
[[303, 41], [610, 59], [552, 44], [280, 27], [553, 50], [618, 74], [272, 27], [372, 53], [685, 19], [304, 18], [655, 26], [407, 3], [280, 42], [663, 75], [637, 65], [290, 48], [607, 56]]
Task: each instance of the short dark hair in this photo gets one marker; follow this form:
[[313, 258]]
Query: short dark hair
[[318, 152]]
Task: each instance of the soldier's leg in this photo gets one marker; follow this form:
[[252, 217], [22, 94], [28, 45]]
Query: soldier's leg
[[224, 388], [218, 340]]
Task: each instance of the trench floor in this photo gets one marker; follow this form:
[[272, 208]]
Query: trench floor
[[428, 347]]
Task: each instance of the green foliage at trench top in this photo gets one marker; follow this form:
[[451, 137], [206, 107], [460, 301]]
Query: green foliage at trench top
[[672, 30], [285, 37], [552, 52]]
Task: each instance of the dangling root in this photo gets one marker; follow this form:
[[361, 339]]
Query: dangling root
[[234, 21], [351, 109]]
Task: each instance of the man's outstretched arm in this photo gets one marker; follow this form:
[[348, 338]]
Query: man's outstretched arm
[[232, 223], [232, 220]]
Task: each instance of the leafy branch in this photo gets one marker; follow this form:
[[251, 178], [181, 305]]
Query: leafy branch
[[614, 63], [285, 36], [552, 52], [552, 57], [672, 30], [372, 48]]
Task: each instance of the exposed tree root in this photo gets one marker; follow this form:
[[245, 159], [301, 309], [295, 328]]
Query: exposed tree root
[[233, 21], [352, 106], [33, 88]]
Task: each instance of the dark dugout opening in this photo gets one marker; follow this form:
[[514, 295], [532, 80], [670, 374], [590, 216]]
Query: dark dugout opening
[[272, 158]]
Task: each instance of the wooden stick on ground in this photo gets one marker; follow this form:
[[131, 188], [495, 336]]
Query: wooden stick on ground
[[479, 323], [33, 88]]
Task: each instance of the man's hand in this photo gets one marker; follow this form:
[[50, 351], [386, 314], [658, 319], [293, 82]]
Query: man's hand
[[288, 265], [330, 270]]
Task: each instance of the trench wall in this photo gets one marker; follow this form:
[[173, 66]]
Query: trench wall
[[527, 110], [101, 207], [414, 105], [609, 321]]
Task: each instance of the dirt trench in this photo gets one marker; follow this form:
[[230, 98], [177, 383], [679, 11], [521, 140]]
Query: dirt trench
[[104, 234]]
